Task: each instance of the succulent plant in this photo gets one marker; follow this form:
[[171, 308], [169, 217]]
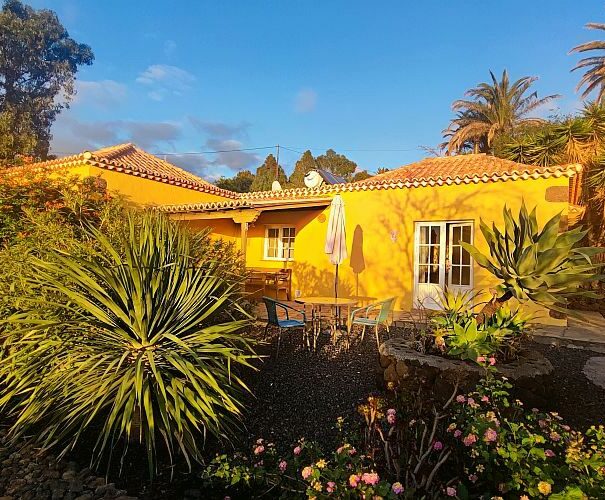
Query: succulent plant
[[545, 266]]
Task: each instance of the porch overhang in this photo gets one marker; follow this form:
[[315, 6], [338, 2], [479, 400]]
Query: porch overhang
[[240, 210]]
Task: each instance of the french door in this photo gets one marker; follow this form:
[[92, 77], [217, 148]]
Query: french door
[[440, 261]]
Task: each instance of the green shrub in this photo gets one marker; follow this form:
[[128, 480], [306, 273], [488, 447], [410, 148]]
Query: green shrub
[[130, 343], [506, 449]]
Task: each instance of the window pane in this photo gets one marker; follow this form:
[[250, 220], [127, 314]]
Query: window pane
[[455, 236], [434, 254], [424, 255], [435, 230], [466, 234], [273, 232], [466, 257], [456, 255], [434, 274], [423, 272], [424, 235], [455, 275], [466, 276]]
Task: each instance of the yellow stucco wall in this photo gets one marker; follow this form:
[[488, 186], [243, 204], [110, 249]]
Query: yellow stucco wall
[[148, 192], [380, 234]]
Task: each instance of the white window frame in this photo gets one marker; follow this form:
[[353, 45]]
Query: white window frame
[[280, 242]]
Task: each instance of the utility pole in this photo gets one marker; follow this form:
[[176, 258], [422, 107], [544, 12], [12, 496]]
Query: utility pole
[[277, 167]]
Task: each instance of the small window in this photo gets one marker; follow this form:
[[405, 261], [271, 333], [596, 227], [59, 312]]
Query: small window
[[279, 243]]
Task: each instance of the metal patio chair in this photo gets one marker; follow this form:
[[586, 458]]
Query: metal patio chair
[[283, 324], [365, 317]]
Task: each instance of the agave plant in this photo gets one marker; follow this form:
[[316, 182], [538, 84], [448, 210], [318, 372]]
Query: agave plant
[[545, 266], [133, 353]]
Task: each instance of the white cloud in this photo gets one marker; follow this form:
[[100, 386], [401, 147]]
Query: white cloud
[[102, 93], [72, 135], [305, 101], [166, 77]]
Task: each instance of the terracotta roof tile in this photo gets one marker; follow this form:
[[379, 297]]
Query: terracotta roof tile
[[129, 159], [465, 168]]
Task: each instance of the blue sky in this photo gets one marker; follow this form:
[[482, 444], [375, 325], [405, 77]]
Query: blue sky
[[374, 80]]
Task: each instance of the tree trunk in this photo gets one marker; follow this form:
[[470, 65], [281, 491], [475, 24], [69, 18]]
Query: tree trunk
[[492, 307]]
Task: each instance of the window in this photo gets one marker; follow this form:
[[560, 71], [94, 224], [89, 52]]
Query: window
[[279, 243]]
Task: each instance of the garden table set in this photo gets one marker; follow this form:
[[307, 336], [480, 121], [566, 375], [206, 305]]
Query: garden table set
[[333, 317]]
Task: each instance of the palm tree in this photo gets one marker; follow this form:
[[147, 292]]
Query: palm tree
[[494, 108], [594, 78]]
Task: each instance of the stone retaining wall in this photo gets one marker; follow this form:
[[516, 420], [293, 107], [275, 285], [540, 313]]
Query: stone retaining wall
[[410, 369]]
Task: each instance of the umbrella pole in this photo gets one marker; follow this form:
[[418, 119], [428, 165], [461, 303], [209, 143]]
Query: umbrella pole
[[336, 283]]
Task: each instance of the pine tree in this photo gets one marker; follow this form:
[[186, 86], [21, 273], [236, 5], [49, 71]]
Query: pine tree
[[241, 183], [305, 163], [265, 175]]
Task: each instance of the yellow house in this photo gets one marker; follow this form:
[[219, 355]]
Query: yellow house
[[402, 226]]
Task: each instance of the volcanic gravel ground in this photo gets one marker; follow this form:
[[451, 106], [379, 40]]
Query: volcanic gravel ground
[[302, 393]]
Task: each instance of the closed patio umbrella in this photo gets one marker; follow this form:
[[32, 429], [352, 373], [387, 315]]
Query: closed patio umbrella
[[336, 238]]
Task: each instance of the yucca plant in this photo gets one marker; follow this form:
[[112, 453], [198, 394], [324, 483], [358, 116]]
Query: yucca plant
[[132, 352], [545, 266]]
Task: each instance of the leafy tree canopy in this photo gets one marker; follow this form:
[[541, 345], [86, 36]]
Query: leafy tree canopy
[[38, 63], [337, 164], [241, 183], [494, 108], [266, 174], [305, 163]]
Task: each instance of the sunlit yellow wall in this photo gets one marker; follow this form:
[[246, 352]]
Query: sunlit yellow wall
[[148, 192], [380, 234]]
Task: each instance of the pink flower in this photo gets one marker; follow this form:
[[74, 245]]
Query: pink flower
[[555, 436], [473, 478], [391, 411], [470, 401], [306, 472], [259, 449], [490, 435], [549, 453], [542, 423], [397, 488], [480, 359], [391, 419], [283, 465], [330, 486], [259, 463], [370, 478], [485, 399], [352, 451], [469, 440], [457, 433], [297, 450], [354, 480], [437, 445], [460, 398], [451, 491], [492, 361]]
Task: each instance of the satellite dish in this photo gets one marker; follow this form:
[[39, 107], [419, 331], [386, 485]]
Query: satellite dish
[[313, 179], [276, 186]]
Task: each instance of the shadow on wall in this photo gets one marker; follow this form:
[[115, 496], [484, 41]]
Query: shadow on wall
[[378, 270], [357, 260], [314, 281]]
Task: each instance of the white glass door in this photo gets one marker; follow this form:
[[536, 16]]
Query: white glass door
[[429, 263], [460, 268]]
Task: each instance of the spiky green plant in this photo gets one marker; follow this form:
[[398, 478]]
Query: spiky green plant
[[545, 266], [132, 352]]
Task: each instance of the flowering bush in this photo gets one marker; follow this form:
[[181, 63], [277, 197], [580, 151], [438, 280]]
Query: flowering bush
[[506, 449], [306, 471]]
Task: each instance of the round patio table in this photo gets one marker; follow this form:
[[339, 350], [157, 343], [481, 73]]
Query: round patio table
[[335, 304]]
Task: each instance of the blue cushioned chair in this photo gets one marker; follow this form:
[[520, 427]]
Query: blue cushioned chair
[[283, 324]]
